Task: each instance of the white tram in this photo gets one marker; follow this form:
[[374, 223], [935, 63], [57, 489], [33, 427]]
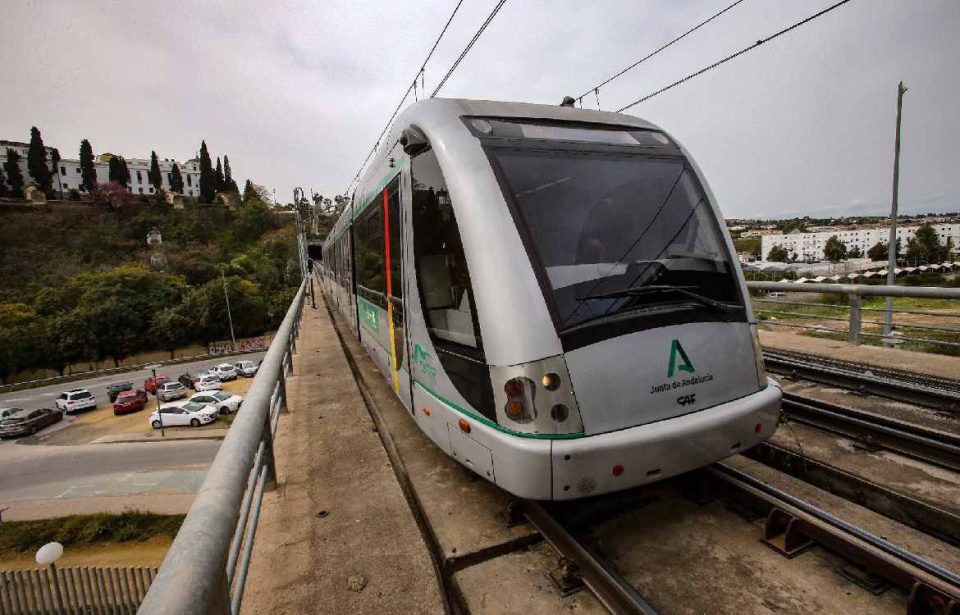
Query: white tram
[[553, 296]]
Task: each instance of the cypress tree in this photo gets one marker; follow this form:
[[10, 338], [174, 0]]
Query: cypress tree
[[248, 191], [55, 169], [156, 180], [176, 179], [37, 162], [208, 185], [125, 177], [219, 176], [88, 172], [228, 182], [14, 174], [119, 172], [3, 182]]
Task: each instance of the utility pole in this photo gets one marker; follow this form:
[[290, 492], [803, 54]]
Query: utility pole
[[233, 338], [892, 246]]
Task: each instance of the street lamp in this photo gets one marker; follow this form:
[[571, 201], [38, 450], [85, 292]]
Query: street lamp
[[47, 555], [226, 297], [156, 393]]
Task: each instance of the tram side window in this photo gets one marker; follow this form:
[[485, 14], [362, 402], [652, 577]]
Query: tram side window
[[368, 232], [444, 282]]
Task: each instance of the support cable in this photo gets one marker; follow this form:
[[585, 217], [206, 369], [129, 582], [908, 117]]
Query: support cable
[[732, 56], [466, 49]]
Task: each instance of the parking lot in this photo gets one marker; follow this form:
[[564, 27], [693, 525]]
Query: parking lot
[[101, 425]]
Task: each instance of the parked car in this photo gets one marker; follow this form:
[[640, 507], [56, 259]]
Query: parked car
[[224, 371], [5, 412], [207, 382], [189, 379], [247, 369], [116, 388], [169, 391], [130, 401], [76, 399], [29, 422], [151, 385], [183, 413], [224, 401]]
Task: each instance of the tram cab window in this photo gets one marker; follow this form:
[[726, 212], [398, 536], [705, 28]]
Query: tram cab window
[[443, 278]]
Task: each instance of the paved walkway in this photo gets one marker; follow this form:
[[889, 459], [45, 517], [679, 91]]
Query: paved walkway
[[939, 365], [337, 535]]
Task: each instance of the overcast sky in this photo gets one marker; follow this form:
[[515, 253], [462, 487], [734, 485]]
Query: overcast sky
[[296, 93]]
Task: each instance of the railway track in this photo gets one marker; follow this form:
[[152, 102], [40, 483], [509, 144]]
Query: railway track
[[934, 446], [928, 391]]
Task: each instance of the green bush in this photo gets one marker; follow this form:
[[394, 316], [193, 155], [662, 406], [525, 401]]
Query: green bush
[[22, 536]]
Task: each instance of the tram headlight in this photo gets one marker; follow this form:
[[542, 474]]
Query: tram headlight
[[758, 356]]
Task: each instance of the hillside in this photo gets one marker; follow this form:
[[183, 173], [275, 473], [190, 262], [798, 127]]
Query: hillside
[[76, 284]]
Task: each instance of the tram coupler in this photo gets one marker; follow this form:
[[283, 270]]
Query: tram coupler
[[566, 577], [784, 534]]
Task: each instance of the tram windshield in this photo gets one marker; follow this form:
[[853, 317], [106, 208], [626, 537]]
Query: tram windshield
[[619, 234]]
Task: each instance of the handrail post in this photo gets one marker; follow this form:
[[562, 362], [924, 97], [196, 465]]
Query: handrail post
[[269, 462], [855, 319]]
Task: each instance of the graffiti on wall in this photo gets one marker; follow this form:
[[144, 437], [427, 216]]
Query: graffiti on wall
[[250, 344]]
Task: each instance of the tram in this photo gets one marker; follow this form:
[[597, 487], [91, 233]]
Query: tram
[[553, 296]]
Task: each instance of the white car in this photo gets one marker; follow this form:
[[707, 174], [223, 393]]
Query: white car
[[183, 413], [207, 382], [76, 399], [247, 369], [224, 401], [224, 371]]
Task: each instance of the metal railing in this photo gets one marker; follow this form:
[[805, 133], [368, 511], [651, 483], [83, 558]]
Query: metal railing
[[205, 569], [80, 589], [855, 318]]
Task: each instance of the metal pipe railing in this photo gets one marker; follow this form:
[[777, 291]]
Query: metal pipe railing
[[855, 294], [196, 575]]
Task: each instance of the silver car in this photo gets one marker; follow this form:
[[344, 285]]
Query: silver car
[[171, 390]]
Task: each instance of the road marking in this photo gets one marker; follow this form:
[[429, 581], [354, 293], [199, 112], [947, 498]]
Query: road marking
[[145, 484]]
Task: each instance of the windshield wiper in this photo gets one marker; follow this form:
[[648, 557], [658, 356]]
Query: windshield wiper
[[636, 291]]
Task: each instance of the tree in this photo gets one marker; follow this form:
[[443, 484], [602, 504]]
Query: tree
[[855, 252], [835, 250], [228, 184], [88, 172], [55, 169], [171, 329], [3, 182], [111, 195], [14, 174], [925, 247], [219, 179], [248, 191], [119, 173], [176, 179], [37, 162], [778, 254], [208, 180], [153, 175], [878, 252]]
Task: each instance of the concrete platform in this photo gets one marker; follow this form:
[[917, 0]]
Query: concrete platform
[[366, 553], [942, 366]]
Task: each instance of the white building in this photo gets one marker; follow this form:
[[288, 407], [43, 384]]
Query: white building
[[67, 175], [809, 246]]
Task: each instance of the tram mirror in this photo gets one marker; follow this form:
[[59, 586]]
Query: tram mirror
[[413, 141]]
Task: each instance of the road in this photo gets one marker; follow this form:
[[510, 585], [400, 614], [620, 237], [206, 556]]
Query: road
[[46, 472], [43, 397]]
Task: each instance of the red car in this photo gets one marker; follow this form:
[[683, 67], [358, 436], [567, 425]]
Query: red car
[[130, 401], [151, 385]]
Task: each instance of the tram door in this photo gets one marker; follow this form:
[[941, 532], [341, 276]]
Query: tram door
[[393, 233]]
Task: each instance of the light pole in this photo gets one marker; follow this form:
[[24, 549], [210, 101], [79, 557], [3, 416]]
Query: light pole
[[233, 338], [892, 246], [156, 393], [47, 555]]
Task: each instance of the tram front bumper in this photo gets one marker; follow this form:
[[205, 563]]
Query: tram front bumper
[[629, 457]]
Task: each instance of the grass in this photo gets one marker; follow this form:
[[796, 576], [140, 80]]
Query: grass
[[17, 537]]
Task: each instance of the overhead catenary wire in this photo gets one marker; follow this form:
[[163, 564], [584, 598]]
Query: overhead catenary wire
[[733, 56], [597, 87], [466, 50], [406, 94]]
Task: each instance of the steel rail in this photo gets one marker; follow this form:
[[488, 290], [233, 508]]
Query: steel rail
[[610, 588], [928, 392], [937, 447], [895, 564]]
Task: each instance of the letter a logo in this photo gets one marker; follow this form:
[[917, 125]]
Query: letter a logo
[[685, 365]]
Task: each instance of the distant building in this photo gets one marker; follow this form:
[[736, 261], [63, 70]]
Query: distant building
[[66, 175], [809, 246]]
